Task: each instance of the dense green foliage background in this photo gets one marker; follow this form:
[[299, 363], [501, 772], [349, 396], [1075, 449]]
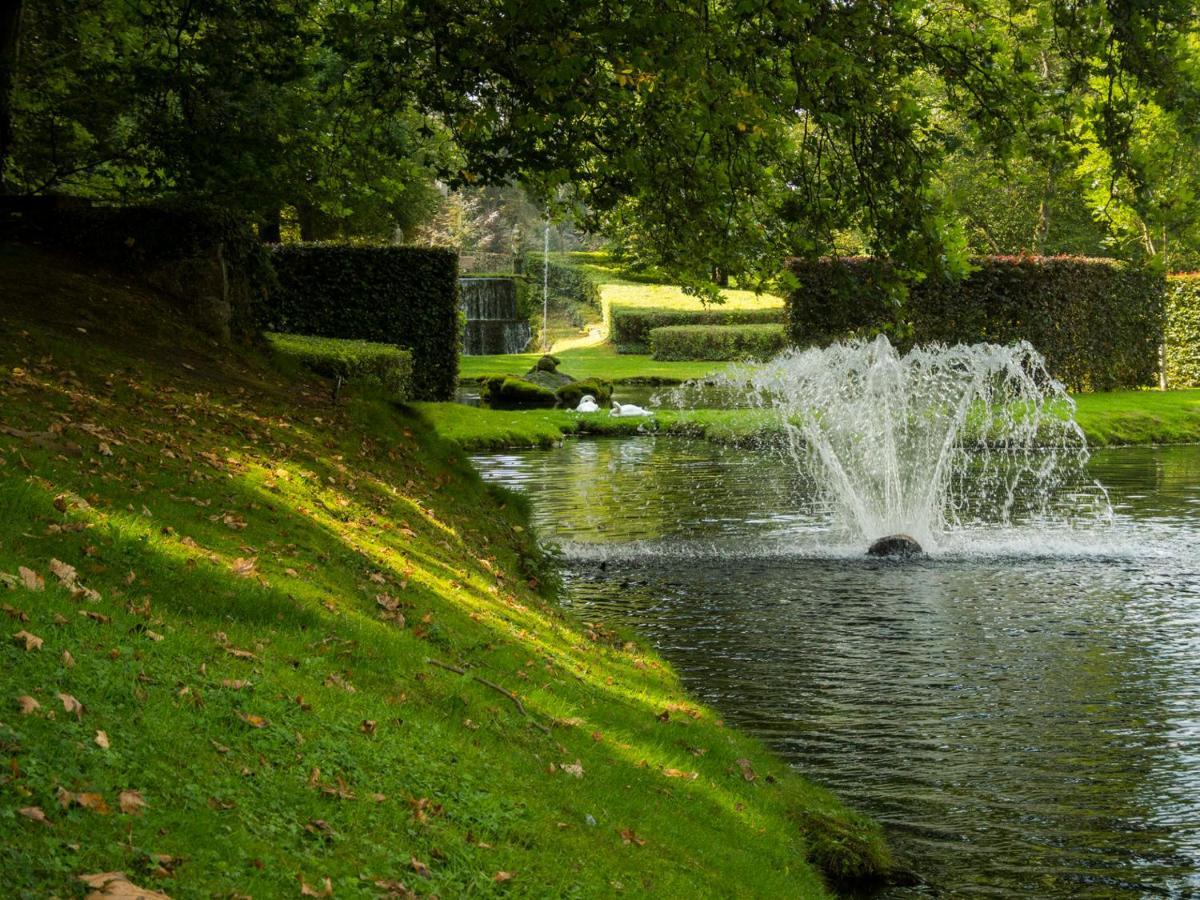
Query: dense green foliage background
[[630, 327], [1098, 322], [407, 296], [708, 140]]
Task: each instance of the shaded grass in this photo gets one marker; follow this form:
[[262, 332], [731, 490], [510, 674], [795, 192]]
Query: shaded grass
[[253, 549]]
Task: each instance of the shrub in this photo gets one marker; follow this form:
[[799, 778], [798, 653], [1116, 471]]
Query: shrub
[[1182, 342], [384, 366], [1098, 322], [630, 326], [569, 395], [204, 257], [717, 342], [407, 296], [507, 392]]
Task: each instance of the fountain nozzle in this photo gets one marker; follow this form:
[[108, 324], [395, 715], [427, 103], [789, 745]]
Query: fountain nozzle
[[895, 545]]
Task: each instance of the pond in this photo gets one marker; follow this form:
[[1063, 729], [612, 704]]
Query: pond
[[1022, 713]]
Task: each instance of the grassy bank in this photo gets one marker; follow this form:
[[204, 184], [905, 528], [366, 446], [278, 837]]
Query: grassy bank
[[595, 361], [257, 643], [1113, 419]]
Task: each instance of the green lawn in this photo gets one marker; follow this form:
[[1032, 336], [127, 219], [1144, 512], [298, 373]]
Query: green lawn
[[255, 641], [1122, 417], [596, 361], [1140, 417]]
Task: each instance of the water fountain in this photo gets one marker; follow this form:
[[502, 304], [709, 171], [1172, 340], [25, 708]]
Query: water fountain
[[906, 448], [493, 323]]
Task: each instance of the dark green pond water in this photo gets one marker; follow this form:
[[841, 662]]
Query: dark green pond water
[[1022, 711]]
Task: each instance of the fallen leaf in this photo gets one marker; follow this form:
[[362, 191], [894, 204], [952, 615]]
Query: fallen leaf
[[307, 891], [66, 574], [420, 868], [131, 802], [31, 641], [71, 705], [245, 568], [234, 684], [115, 886], [87, 799], [629, 837], [240, 654], [67, 659], [575, 768], [747, 771], [367, 727], [252, 720], [27, 705], [501, 877], [95, 616], [101, 740], [153, 635], [679, 773], [31, 579], [34, 814]]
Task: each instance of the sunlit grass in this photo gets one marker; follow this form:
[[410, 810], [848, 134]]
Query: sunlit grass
[[254, 549]]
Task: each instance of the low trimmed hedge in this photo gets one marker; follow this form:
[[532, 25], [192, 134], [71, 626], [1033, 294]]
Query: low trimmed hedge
[[1098, 322], [406, 296], [385, 366], [717, 342], [630, 326], [1182, 341]]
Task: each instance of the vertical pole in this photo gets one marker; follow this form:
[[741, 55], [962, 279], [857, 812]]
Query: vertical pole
[[546, 286]]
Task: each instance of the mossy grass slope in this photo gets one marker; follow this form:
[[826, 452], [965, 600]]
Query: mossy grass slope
[[247, 613]]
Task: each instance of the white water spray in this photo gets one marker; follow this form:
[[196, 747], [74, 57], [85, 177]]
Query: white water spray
[[546, 286], [929, 442]]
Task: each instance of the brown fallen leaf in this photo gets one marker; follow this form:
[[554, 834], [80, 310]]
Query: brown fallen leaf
[[66, 574], [307, 891], [420, 868], [629, 837], [27, 705], [31, 579], [31, 641], [234, 684], [679, 773], [115, 886], [245, 568], [747, 770], [153, 635], [131, 802], [240, 654], [34, 814], [71, 705], [101, 740], [367, 727], [393, 888], [87, 799], [501, 877], [252, 720], [575, 768], [67, 659]]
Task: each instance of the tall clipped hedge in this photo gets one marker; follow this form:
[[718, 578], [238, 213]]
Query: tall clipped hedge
[[406, 296], [630, 326], [1182, 341], [1098, 322], [565, 281]]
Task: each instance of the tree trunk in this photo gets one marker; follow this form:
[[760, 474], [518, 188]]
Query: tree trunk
[[269, 226], [10, 46], [314, 224]]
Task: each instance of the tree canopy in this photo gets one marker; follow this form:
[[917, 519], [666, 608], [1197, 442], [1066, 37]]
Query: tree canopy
[[707, 138]]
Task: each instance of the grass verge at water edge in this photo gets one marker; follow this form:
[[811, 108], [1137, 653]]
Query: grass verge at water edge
[[256, 641]]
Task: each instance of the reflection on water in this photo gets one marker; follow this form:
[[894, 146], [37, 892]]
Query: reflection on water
[[1022, 711]]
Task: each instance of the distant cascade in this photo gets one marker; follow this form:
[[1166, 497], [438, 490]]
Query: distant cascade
[[493, 323]]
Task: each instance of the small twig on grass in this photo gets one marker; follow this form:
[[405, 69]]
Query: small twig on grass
[[495, 687]]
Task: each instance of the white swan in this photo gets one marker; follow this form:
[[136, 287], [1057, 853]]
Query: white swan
[[624, 410], [587, 404]]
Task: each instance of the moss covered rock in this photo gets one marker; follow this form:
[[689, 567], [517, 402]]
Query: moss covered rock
[[507, 392], [569, 395]]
